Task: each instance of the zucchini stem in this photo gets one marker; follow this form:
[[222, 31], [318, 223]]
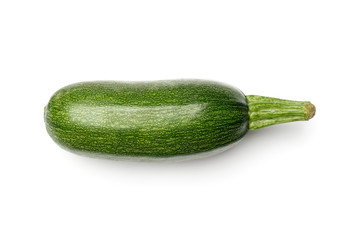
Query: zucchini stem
[[266, 111]]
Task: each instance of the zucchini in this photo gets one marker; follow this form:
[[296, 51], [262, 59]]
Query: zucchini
[[160, 120]]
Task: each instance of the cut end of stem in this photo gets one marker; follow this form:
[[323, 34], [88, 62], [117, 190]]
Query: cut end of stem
[[266, 111], [311, 110]]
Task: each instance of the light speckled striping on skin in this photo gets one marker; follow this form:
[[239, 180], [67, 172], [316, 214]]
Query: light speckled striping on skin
[[157, 119]]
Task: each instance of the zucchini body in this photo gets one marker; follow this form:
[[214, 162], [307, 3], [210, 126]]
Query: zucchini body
[[151, 121]]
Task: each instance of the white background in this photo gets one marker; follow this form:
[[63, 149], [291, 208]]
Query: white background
[[292, 181]]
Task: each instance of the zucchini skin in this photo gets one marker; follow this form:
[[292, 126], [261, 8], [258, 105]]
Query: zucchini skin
[[153, 120]]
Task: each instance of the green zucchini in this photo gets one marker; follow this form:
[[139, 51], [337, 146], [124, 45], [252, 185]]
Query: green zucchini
[[160, 120]]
